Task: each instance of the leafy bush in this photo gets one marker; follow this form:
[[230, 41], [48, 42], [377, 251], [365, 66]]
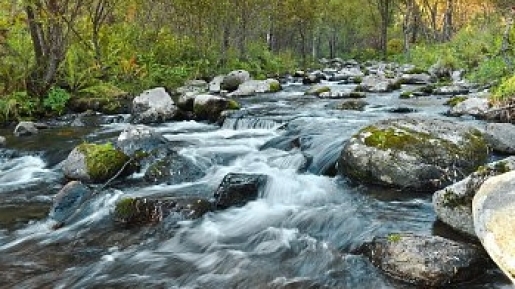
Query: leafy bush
[[489, 71], [505, 90], [16, 106], [395, 46], [56, 100]]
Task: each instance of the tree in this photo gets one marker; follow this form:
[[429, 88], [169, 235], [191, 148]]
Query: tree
[[49, 23]]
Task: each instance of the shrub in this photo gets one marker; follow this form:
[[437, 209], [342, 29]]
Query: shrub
[[506, 90], [56, 100]]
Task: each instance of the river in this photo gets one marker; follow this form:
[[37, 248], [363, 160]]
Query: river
[[299, 234]]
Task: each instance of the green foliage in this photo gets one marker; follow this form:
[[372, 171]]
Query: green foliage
[[17, 106], [395, 46], [489, 71], [506, 90], [455, 100], [394, 237], [56, 100]]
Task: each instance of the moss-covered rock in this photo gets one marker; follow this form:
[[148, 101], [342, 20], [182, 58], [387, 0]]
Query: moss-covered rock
[[455, 100], [209, 107], [96, 163], [453, 204], [411, 153], [317, 90]]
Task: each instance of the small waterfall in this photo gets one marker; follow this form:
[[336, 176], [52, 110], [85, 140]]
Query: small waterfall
[[249, 123]]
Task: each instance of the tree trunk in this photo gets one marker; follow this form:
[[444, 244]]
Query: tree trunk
[[505, 47], [448, 21]]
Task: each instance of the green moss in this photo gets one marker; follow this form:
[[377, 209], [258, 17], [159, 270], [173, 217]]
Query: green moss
[[452, 200], [406, 95], [428, 89], [102, 161], [357, 80], [455, 100], [416, 70], [317, 90], [275, 87], [394, 237], [392, 138], [124, 209], [233, 105]]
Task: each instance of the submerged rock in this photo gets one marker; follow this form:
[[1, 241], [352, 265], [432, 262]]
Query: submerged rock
[[425, 260], [453, 205], [95, 163], [352, 104], [142, 211], [238, 189], [153, 106], [494, 220], [68, 201], [140, 139], [317, 90], [412, 153]]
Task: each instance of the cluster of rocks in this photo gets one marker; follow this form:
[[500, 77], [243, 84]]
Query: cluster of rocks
[[198, 99], [472, 196]]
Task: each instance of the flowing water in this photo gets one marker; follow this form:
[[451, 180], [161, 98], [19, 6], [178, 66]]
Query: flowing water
[[299, 234]]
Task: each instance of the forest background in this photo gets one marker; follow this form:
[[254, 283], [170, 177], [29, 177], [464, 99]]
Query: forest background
[[52, 51]]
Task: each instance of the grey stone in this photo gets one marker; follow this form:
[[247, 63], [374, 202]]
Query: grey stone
[[25, 128], [501, 137]]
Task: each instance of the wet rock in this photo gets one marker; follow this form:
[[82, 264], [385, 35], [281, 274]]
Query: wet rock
[[3, 141], [232, 81], [238, 189], [494, 220], [342, 94], [477, 107], [173, 169], [379, 84], [314, 77], [352, 104], [402, 110], [453, 205], [209, 107], [140, 139], [252, 87], [106, 105], [25, 128], [413, 153], [153, 106], [68, 201], [426, 260], [440, 70], [421, 78], [317, 90], [186, 101], [94, 163], [142, 211], [501, 137]]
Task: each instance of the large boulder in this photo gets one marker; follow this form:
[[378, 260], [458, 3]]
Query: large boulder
[[68, 201], [209, 107], [413, 153], [379, 83], [25, 128], [142, 211], [501, 137], [238, 189], [426, 260], [251, 87], [153, 106], [95, 163], [453, 205], [494, 220], [140, 139], [474, 106], [232, 81]]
